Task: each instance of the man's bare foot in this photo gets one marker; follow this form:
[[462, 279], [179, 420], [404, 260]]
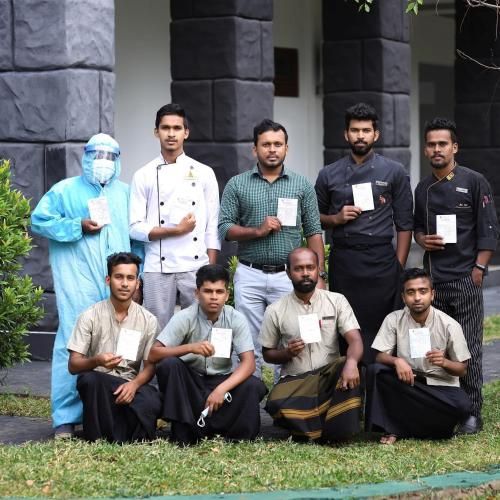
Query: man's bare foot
[[388, 439]]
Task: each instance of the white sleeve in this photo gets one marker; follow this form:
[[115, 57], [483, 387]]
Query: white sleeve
[[211, 194], [139, 227]]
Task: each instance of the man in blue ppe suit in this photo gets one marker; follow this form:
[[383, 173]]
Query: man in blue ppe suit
[[78, 247]]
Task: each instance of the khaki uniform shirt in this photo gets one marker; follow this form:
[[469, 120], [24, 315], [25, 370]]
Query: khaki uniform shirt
[[281, 325], [97, 331], [446, 335]]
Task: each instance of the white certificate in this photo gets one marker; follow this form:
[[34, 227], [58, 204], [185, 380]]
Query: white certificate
[[420, 342], [128, 344], [309, 328], [99, 210], [179, 209], [222, 339], [363, 196], [287, 211], [446, 226]]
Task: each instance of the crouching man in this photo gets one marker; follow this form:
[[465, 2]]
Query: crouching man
[[318, 396], [413, 389], [202, 396], [107, 346]]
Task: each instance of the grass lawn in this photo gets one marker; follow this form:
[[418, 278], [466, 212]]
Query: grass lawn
[[77, 468], [491, 328]]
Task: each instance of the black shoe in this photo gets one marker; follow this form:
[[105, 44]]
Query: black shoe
[[471, 425]]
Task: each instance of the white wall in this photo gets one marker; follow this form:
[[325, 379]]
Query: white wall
[[142, 77], [432, 40], [297, 24]]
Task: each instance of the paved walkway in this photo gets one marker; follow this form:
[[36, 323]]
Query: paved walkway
[[34, 379]]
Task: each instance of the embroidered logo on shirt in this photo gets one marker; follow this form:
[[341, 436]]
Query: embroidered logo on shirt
[[382, 200], [450, 176], [381, 183], [462, 190]]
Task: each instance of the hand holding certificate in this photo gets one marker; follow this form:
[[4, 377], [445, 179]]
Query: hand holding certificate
[[446, 227]]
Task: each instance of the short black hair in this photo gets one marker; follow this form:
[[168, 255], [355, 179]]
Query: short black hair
[[296, 250], [118, 258], [171, 109], [361, 111], [265, 126], [439, 123], [212, 273], [414, 273]]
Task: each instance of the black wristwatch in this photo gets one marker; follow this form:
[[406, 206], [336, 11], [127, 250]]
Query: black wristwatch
[[482, 268], [323, 275]]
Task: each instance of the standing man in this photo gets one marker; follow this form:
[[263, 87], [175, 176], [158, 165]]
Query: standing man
[[174, 207], [109, 342], [202, 395], [78, 248], [318, 395], [265, 210], [363, 197], [414, 390], [456, 224]]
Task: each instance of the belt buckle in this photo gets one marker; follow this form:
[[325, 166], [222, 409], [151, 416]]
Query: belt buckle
[[268, 269]]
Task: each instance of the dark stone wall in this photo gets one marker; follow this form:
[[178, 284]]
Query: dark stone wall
[[366, 57], [222, 71], [57, 90], [477, 91]]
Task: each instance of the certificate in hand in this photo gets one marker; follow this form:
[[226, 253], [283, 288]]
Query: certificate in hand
[[287, 211], [99, 210], [363, 196], [420, 342], [222, 339], [128, 344], [446, 227], [309, 328]]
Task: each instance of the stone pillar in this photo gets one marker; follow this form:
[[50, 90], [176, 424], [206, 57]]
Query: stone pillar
[[56, 91], [222, 72], [366, 57], [477, 93]]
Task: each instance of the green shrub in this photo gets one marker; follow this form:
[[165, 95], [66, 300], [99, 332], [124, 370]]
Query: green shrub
[[18, 296]]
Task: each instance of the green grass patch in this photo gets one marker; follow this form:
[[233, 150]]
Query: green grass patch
[[491, 328], [76, 468], [24, 406]]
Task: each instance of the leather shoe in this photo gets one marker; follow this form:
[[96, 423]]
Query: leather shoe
[[471, 425]]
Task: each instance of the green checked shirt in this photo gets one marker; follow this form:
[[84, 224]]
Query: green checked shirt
[[248, 198]]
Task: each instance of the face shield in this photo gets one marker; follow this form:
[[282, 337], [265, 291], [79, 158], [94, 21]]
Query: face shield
[[101, 159]]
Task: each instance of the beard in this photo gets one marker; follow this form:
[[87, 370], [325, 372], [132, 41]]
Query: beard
[[304, 286], [361, 148]]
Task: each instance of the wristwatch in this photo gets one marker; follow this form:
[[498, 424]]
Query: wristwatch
[[482, 268], [323, 275]]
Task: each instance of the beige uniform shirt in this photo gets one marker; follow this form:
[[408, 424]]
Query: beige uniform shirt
[[97, 331], [446, 335], [281, 325]]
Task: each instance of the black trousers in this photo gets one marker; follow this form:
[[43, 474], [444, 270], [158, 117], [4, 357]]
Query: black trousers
[[369, 275], [185, 392], [418, 411], [104, 419], [463, 301]]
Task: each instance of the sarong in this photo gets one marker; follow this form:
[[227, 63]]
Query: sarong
[[185, 392], [418, 411], [117, 423], [310, 405]]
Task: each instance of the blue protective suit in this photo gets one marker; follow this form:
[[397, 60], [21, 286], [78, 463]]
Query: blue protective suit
[[78, 260]]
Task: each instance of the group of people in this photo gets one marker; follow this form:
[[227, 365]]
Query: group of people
[[406, 343]]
